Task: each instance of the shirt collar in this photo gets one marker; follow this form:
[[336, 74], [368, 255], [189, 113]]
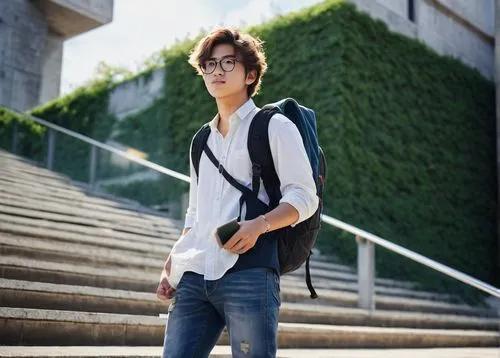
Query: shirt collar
[[241, 113]]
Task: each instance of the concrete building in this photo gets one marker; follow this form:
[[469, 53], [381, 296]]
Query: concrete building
[[32, 34], [464, 29]]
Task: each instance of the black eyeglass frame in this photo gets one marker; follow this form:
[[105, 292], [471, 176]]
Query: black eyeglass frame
[[219, 62]]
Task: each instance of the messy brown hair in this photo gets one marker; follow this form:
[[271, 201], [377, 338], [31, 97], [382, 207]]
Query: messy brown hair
[[246, 46]]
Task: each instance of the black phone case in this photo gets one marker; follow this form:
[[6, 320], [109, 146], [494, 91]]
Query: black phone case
[[226, 231]]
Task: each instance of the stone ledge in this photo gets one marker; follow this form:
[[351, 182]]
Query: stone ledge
[[225, 352], [73, 328], [131, 223], [14, 293], [104, 232], [80, 197], [145, 247], [143, 281]]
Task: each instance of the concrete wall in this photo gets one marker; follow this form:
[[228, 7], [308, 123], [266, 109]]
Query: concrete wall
[[52, 65], [481, 13], [399, 7], [69, 18], [32, 33], [391, 12], [99, 10], [135, 95], [449, 37], [23, 33], [459, 28]]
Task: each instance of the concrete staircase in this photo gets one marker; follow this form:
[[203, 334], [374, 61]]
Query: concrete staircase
[[81, 270]]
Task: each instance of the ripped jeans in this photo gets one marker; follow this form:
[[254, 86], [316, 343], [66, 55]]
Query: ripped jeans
[[245, 301]]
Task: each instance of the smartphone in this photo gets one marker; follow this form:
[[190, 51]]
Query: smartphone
[[224, 232]]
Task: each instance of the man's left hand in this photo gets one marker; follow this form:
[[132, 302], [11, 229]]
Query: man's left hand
[[246, 237]]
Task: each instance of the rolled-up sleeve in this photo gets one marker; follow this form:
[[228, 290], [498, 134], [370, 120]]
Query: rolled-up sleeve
[[292, 166], [193, 195]]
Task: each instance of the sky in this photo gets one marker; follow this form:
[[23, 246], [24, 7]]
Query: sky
[[143, 27]]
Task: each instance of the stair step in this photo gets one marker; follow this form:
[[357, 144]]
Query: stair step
[[348, 299], [225, 352], [96, 222], [39, 175], [61, 213], [74, 252], [27, 173], [330, 266], [29, 166], [20, 268], [13, 158], [32, 188], [298, 277], [26, 294], [81, 197], [15, 179], [19, 221], [148, 246], [55, 327], [42, 271], [330, 315], [345, 276], [69, 251], [41, 295]]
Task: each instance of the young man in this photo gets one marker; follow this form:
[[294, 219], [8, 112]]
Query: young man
[[236, 285]]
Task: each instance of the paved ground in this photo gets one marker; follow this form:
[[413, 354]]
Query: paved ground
[[224, 352]]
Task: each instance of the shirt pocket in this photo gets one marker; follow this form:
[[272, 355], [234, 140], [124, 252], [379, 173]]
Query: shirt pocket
[[238, 164]]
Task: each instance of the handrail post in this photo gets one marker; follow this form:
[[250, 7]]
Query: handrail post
[[51, 149], [366, 273], [93, 166], [15, 136]]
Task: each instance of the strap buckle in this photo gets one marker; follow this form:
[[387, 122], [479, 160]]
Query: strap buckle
[[221, 168]]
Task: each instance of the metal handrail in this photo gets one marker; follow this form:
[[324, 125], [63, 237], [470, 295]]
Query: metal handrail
[[109, 148], [325, 218], [413, 256]]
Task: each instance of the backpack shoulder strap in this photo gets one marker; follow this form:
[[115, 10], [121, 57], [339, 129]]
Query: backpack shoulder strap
[[197, 145], [261, 155]]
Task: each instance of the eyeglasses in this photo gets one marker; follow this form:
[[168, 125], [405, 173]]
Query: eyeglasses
[[226, 63]]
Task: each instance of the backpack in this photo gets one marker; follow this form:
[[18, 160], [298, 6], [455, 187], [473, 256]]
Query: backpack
[[294, 243]]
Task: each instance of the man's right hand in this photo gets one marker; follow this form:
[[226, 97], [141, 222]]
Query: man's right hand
[[164, 290]]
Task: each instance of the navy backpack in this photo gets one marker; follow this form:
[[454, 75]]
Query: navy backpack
[[294, 243]]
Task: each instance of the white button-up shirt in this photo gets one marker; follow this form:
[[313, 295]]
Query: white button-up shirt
[[213, 201]]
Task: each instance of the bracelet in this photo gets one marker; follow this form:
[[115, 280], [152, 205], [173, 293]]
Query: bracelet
[[268, 226]]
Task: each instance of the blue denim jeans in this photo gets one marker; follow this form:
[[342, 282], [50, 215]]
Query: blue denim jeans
[[245, 301]]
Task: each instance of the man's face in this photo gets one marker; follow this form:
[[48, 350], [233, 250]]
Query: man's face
[[224, 74]]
